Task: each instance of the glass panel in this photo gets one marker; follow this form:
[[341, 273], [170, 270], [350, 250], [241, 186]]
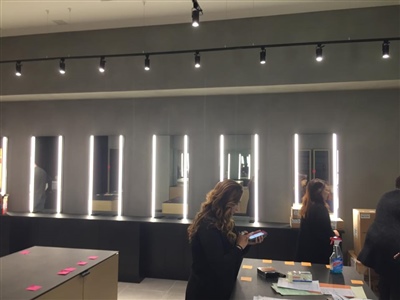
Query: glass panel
[[315, 160], [45, 174], [106, 149], [172, 173], [238, 165]]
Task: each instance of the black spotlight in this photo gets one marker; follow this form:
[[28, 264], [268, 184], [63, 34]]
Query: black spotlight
[[318, 52], [102, 65], [18, 68], [62, 66], [147, 63], [197, 59], [385, 49], [196, 11], [263, 56]]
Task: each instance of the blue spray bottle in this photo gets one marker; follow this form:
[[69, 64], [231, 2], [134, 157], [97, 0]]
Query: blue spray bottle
[[336, 259]]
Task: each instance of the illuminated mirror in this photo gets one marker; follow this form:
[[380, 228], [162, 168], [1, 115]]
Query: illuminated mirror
[[316, 156], [239, 162], [170, 176], [45, 174], [105, 175]]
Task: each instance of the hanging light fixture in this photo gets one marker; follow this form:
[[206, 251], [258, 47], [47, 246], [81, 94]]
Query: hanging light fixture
[[18, 68], [263, 56], [102, 65], [62, 66], [196, 11], [318, 53], [385, 49], [197, 59], [147, 63]]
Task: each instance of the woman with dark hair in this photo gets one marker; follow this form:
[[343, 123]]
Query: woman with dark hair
[[313, 243], [217, 248]]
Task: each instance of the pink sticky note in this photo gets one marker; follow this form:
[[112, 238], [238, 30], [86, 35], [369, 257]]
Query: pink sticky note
[[63, 272], [33, 287], [69, 269], [81, 263], [93, 257], [24, 252]]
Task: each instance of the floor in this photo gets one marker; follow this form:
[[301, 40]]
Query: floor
[[151, 288]]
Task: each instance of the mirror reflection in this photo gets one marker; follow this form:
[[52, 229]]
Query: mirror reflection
[[315, 161], [172, 176], [45, 174], [106, 174], [237, 165]]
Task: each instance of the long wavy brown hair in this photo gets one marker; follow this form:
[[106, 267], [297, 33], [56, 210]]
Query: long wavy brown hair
[[314, 194], [217, 209]]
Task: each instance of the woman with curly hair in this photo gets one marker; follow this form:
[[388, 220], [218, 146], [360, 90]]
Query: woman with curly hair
[[217, 248]]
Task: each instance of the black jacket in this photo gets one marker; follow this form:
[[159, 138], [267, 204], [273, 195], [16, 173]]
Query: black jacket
[[215, 265], [314, 244], [382, 241]]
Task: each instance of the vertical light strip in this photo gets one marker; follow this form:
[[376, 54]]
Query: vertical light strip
[[4, 166], [59, 172], [335, 176], [249, 165], [120, 165], [221, 157], [181, 165], [296, 169], [153, 176], [229, 166], [32, 173], [90, 193], [239, 161], [256, 164], [185, 178]]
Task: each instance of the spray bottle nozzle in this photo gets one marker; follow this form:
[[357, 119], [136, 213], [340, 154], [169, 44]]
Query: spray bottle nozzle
[[336, 240]]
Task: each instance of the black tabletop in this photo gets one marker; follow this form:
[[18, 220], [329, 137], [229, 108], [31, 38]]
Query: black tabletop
[[259, 286], [40, 265]]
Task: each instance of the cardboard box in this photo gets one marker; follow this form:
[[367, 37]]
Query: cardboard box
[[362, 219], [295, 212], [337, 223]]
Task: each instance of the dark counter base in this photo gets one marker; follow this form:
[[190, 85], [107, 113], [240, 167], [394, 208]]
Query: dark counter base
[[147, 248]]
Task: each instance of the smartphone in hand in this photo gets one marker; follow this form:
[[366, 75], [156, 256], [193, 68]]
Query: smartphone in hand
[[258, 234]]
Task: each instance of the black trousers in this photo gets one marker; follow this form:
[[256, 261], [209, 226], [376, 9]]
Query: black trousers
[[389, 287]]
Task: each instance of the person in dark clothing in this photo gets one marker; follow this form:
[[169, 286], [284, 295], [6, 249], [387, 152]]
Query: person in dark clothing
[[217, 247], [381, 250], [314, 244]]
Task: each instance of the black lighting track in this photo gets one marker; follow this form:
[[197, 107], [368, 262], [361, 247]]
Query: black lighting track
[[266, 46]]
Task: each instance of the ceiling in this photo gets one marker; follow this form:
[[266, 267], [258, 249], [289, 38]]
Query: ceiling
[[25, 17]]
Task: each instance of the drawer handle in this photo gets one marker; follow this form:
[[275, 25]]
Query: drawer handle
[[85, 273]]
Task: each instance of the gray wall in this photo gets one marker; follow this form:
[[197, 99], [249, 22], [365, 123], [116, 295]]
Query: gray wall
[[367, 122]]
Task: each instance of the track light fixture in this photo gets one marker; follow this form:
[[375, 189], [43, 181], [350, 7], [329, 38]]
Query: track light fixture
[[263, 56], [385, 49], [196, 11], [197, 59], [147, 63], [62, 66], [318, 52], [18, 68], [102, 65]]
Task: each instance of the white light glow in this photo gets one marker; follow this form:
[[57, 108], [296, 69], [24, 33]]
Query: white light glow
[[229, 166], [249, 165], [296, 169], [32, 173], [4, 166], [256, 164], [153, 177], [90, 194], [59, 173], [319, 58], [335, 175], [239, 165], [181, 174], [221, 158], [120, 165], [185, 178]]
